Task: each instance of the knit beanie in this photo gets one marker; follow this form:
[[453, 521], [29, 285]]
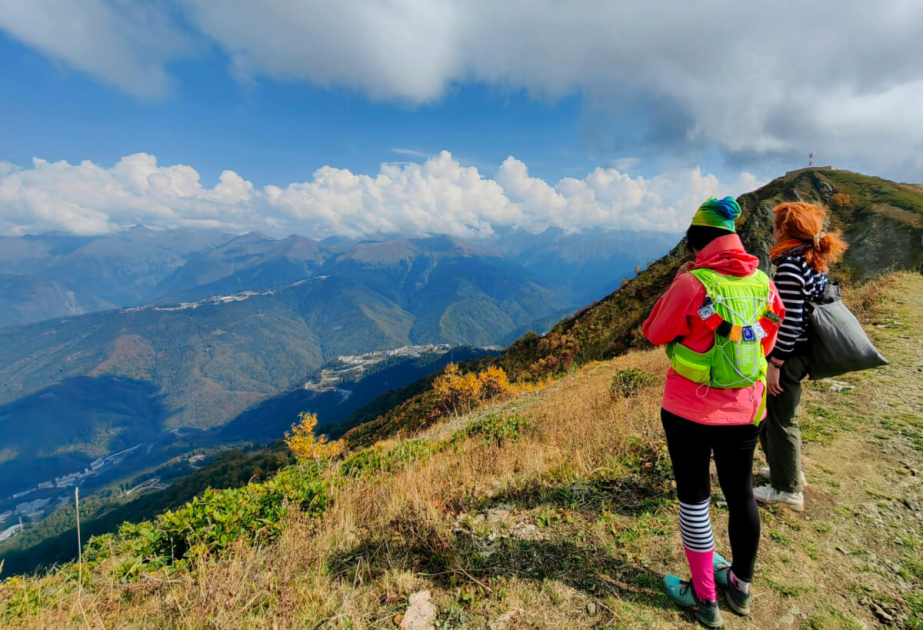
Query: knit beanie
[[718, 213]]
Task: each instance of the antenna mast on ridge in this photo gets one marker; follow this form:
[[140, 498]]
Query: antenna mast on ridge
[[810, 160]]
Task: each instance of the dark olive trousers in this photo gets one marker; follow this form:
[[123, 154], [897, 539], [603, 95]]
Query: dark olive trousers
[[780, 435]]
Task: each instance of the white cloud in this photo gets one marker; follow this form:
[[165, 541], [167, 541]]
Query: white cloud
[[410, 152], [438, 196], [124, 44], [626, 163], [756, 79]]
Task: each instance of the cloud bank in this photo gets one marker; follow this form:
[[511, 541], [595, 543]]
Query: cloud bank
[[437, 196], [755, 79]]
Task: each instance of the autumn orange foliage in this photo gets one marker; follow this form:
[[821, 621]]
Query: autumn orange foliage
[[305, 445], [458, 393]]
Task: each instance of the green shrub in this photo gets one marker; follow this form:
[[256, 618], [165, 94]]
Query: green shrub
[[628, 382], [217, 519], [374, 460], [496, 430]]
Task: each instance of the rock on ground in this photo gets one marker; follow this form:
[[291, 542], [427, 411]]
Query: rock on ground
[[421, 614]]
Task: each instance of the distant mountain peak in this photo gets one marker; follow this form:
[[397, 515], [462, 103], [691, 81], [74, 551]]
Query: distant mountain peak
[[254, 236]]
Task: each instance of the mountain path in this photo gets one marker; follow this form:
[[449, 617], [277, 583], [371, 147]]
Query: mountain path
[[852, 559]]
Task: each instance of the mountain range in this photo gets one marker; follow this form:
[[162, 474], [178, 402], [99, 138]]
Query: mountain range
[[58, 275], [218, 330]]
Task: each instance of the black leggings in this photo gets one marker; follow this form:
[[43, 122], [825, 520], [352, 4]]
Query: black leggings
[[691, 445]]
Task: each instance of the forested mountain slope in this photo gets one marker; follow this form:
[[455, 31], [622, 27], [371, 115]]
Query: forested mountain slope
[[882, 221]]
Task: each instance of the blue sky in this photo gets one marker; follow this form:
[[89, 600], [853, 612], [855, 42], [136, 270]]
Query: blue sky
[[369, 115], [275, 132]]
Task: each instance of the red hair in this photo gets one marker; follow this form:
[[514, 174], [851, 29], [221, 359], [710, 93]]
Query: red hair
[[804, 222]]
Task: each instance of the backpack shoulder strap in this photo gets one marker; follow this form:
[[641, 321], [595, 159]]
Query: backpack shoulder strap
[[708, 280]]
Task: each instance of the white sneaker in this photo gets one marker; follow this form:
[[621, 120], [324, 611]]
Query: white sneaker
[[769, 495], [764, 473]]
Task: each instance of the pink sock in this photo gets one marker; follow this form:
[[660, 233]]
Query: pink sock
[[703, 574]]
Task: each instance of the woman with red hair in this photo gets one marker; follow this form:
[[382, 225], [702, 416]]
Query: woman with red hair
[[802, 253]]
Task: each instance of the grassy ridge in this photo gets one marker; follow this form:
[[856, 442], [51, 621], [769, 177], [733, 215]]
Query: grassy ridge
[[612, 326], [553, 508]]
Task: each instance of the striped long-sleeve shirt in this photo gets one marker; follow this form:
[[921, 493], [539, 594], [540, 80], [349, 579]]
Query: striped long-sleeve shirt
[[796, 282]]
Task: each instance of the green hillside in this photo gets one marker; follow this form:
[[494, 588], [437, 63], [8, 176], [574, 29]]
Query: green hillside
[[52, 541], [127, 413], [204, 364]]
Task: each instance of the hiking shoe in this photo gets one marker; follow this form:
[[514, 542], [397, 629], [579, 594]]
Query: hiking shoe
[[769, 495], [737, 600], [706, 613], [764, 473]]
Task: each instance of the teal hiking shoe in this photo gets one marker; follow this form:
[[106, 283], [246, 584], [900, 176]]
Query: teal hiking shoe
[[737, 600], [706, 613]]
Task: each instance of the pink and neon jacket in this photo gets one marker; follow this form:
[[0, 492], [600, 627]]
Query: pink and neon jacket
[[676, 315]]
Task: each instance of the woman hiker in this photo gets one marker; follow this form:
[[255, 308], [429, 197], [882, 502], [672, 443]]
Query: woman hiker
[[719, 320], [801, 255]]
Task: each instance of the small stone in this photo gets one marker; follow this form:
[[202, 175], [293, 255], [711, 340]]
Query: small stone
[[501, 622], [498, 513], [591, 608], [526, 531], [840, 386], [420, 613], [882, 614]]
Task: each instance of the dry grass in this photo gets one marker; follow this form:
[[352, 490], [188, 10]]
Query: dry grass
[[570, 524], [578, 431]]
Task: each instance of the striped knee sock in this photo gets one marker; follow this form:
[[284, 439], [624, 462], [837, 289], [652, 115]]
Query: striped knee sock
[[699, 543]]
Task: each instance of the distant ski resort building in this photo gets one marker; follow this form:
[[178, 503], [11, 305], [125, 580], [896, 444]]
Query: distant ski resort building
[[31, 507], [68, 480], [9, 532]]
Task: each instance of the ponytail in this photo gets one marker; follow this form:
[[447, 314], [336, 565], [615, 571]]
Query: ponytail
[[802, 224]]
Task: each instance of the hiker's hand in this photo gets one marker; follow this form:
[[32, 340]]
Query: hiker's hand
[[772, 380], [685, 267]]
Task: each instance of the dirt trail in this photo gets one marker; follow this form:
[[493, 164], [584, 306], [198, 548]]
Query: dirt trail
[[853, 559]]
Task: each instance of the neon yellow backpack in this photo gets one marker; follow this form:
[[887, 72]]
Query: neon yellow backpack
[[738, 309]]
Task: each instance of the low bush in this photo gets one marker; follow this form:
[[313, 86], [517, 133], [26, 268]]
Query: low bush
[[377, 460], [496, 430], [215, 521], [628, 382]]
